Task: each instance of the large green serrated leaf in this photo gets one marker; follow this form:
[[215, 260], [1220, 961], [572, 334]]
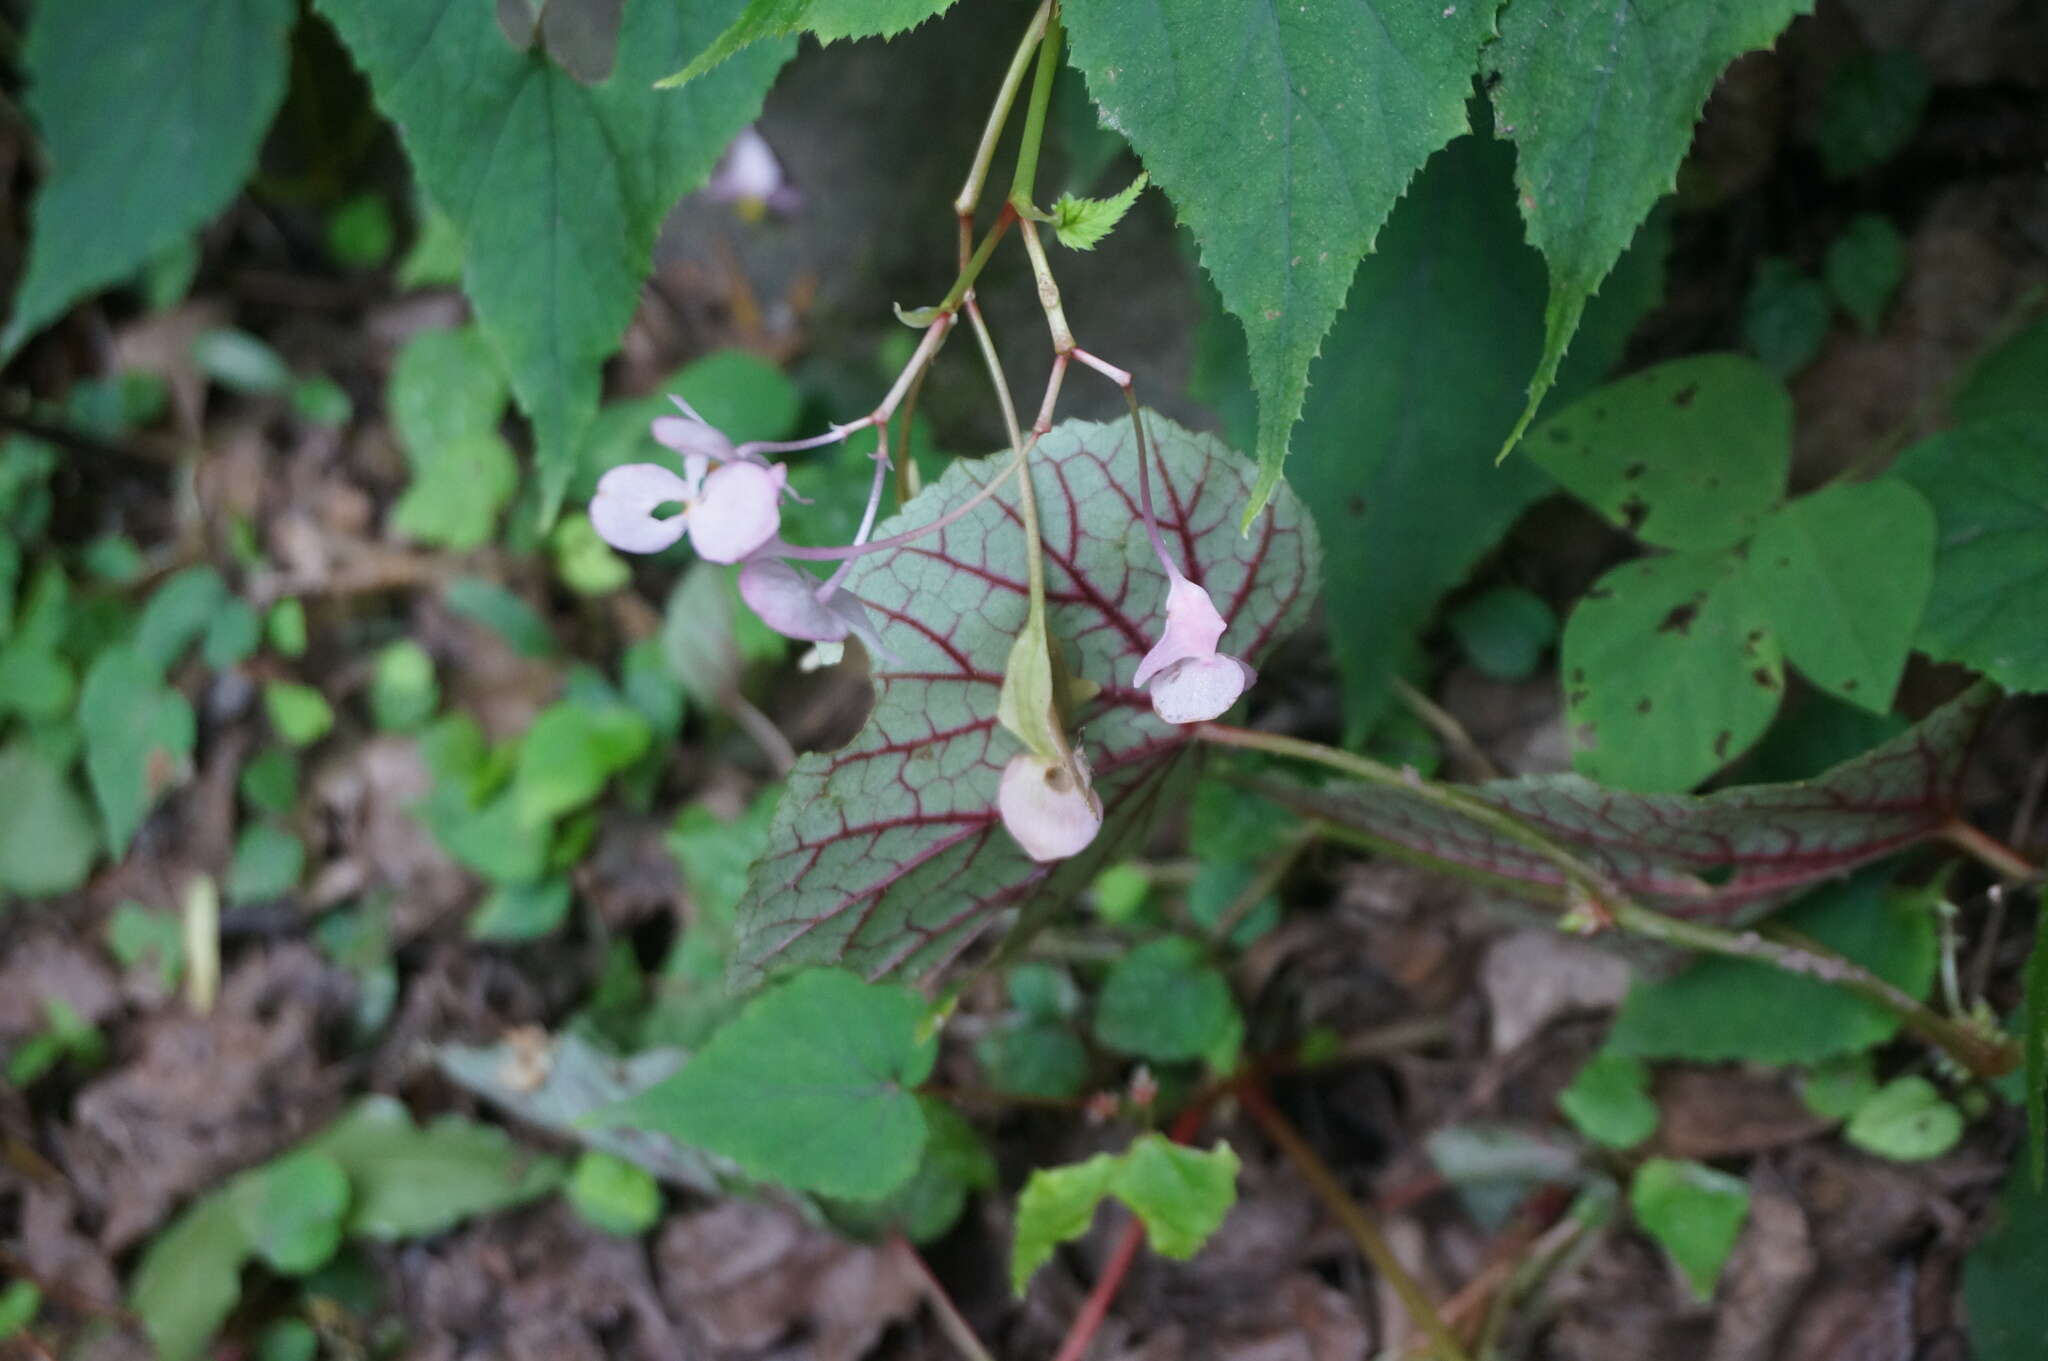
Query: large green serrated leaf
[[1988, 483], [889, 853], [146, 138], [1418, 380], [1671, 671], [829, 20], [1283, 134], [1600, 99], [811, 1085], [556, 187], [1842, 576]]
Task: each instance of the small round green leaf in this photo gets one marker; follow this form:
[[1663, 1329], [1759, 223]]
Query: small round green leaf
[[613, 1194], [1906, 1121], [1163, 1002], [1695, 1212]]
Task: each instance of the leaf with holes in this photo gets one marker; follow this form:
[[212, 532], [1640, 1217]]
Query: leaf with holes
[[1717, 855], [1600, 100], [1283, 140], [889, 854]]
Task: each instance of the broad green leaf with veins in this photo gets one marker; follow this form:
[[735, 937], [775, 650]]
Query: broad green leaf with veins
[[1283, 134], [557, 188], [1600, 99], [889, 854], [145, 139], [829, 20]]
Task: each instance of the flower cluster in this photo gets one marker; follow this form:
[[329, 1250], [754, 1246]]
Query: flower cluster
[[728, 503]]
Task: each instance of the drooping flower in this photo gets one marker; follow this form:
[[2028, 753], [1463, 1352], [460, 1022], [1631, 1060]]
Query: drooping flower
[[730, 507], [1191, 682], [797, 605], [750, 176], [1050, 807]]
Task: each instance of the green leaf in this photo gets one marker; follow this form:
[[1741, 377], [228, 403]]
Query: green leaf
[[1504, 632], [1671, 671], [1906, 1121], [299, 714], [413, 1180], [292, 1210], [360, 232], [189, 1278], [270, 782], [828, 20], [35, 682], [267, 864], [956, 1164], [872, 864], [1842, 577], [1695, 1212], [614, 1195], [2012, 380], [1870, 109], [240, 362], [459, 487], [1721, 1010], [1181, 1194], [1081, 223], [502, 612], [1034, 1058], [137, 935], [1836, 1088], [1689, 454], [586, 563], [403, 691], [1418, 380], [138, 736], [1864, 266], [445, 385], [810, 1086], [178, 614], [1600, 100], [1988, 484], [145, 141], [1785, 318], [286, 626], [1283, 143], [569, 753], [19, 1304], [232, 635], [288, 1339], [1164, 1002], [1609, 1101], [2003, 1273], [522, 910], [47, 837], [556, 188]]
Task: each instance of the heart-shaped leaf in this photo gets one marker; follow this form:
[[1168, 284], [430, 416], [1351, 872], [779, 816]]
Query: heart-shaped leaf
[[889, 854], [1708, 856]]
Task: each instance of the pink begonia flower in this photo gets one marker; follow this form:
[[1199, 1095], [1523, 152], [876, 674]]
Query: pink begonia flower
[[1050, 808], [750, 174], [797, 605], [730, 507], [1191, 681]]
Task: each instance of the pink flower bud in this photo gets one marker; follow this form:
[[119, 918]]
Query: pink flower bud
[[1049, 807], [1191, 681]]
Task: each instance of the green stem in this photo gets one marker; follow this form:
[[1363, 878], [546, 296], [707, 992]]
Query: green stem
[[1987, 1054], [971, 271], [1027, 499], [969, 197], [1026, 174], [1356, 1222]]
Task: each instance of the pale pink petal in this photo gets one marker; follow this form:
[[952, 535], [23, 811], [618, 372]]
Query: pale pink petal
[[786, 598], [739, 511], [689, 436], [1050, 809], [748, 170], [1197, 689], [622, 510], [1192, 628]]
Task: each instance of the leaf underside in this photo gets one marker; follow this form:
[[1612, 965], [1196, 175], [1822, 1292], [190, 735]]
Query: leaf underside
[[889, 854], [1762, 843]]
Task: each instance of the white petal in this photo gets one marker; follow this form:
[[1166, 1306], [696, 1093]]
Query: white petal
[[1193, 627], [748, 170], [687, 436], [622, 511], [786, 598], [1050, 809], [739, 511], [1197, 689]]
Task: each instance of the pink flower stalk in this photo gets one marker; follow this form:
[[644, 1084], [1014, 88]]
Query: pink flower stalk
[[1050, 807], [1191, 681]]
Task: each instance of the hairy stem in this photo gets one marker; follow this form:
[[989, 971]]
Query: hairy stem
[[1356, 1222], [1986, 1053]]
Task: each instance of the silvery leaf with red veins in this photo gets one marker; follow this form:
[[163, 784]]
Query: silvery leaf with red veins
[[888, 855], [1730, 854]]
